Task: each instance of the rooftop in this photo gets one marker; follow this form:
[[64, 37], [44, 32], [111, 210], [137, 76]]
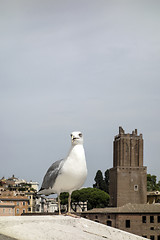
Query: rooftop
[[8, 204], [129, 208], [14, 198]]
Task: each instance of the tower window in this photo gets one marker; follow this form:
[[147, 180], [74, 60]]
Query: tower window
[[158, 219], [127, 223], [152, 237], [151, 219], [135, 187], [144, 219]]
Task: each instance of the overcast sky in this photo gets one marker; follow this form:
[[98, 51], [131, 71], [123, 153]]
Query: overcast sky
[[87, 65]]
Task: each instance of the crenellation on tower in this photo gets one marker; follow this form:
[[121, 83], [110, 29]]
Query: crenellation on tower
[[121, 131], [128, 149]]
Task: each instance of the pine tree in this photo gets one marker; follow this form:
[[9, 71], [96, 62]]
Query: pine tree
[[100, 182]]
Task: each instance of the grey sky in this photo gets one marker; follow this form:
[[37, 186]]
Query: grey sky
[[70, 65]]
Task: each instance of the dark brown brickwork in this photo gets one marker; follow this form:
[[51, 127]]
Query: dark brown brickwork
[[128, 177], [140, 219], [135, 221]]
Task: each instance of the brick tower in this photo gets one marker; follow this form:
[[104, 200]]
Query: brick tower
[[128, 177]]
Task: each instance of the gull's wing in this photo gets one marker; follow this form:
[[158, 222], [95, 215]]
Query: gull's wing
[[51, 175]]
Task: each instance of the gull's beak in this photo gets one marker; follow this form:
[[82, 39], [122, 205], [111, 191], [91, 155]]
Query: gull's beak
[[73, 138]]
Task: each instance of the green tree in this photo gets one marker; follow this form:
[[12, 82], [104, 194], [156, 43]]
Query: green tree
[[94, 197], [99, 181], [152, 184], [64, 198]]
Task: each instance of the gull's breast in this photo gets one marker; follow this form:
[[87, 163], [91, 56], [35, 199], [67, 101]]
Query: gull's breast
[[72, 175]]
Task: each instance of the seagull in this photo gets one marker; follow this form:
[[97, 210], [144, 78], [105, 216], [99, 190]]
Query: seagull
[[68, 174]]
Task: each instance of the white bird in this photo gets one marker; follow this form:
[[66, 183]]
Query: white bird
[[68, 174]]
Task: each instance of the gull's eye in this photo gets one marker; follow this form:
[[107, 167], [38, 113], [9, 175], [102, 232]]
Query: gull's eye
[[80, 134]]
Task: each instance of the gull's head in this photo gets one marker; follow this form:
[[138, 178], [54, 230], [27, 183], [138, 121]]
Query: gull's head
[[77, 138]]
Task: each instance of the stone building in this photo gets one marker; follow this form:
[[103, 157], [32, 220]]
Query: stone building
[[140, 219], [20, 202], [46, 205], [128, 177], [7, 209], [50, 205]]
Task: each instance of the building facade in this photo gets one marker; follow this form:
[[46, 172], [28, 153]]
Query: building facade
[[7, 209], [139, 219], [46, 205], [19, 202], [128, 177], [16, 187]]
